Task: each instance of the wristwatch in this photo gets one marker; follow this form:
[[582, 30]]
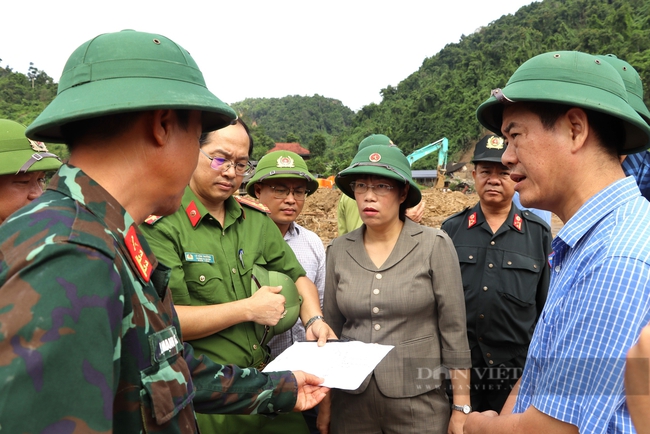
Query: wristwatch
[[466, 409]]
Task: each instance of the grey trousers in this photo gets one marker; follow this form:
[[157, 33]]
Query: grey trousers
[[373, 413]]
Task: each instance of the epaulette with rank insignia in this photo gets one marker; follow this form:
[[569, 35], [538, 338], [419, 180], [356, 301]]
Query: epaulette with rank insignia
[[250, 203], [152, 219]]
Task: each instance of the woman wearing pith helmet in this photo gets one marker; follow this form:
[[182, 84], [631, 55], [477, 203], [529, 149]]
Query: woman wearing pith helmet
[[394, 282], [23, 164]]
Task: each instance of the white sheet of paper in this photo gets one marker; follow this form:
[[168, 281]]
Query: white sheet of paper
[[343, 365]]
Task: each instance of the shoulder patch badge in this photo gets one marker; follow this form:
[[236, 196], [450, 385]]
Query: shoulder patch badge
[[250, 203], [471, 220], [516, 222]]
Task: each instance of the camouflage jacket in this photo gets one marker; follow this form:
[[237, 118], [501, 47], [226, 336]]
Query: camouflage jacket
[[89, 339]]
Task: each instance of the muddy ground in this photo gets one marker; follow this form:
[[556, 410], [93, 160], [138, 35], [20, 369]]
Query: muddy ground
[[319, 213]]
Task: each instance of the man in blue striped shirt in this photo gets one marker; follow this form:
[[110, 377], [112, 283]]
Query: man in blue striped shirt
[[567, 119]]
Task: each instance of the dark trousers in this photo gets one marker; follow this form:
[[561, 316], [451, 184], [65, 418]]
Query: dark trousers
[[491, 384]]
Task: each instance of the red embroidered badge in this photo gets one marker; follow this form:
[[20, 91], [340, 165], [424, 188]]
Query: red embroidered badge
[[193, 213], [471, 220], [137, 254], [374, 157], [517, 222]]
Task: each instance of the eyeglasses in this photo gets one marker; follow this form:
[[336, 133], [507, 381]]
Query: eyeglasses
[[280, 192], [378, 189], [223, 165]]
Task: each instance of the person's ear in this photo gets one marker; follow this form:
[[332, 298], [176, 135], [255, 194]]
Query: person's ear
[[257, 188], [577, 122], [163, 123]]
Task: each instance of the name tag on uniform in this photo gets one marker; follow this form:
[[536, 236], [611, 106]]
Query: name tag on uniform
[[165, 344], [199, 257]]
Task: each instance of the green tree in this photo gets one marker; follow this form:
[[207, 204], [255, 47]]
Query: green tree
[[317, 145]]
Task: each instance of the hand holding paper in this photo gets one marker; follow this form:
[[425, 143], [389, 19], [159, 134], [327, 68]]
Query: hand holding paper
[[343, 365]]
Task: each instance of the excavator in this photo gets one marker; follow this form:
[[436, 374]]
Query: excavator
[[442, 146]]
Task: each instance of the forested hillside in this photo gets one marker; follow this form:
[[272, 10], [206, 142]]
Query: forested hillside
[[438, 100]]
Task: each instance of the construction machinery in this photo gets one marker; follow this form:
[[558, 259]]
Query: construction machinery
[[442, 146]]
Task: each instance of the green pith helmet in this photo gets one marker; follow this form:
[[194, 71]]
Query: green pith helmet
[[572, 78], [281, 164], [380, 160], [375, 139], [489, 148], [293, 300], [633, 84], [18, 154], [124, 72]]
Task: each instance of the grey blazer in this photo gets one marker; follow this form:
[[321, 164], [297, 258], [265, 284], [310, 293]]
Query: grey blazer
[[414, 301]]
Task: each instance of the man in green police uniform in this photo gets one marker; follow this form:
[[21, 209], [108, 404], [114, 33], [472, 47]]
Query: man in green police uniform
[[503, 255], [212, 243]]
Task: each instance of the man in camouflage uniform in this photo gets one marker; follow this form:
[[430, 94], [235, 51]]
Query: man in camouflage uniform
[[89, 339]]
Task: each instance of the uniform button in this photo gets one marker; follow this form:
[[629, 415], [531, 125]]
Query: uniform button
[[234, 271], [490, 265], [492, 243], [375, 310], [192, 213], [375, 291], [557, 268], [491, 362], [485, 288], [255, 346], [489, 354], [378, 276], [202, 278], [377, 326], [509, 262], [481, 316], [471, 257], [535, 266]]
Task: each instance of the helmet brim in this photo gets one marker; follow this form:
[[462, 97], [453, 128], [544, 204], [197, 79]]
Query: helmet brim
[[111, 96], [490, 112]]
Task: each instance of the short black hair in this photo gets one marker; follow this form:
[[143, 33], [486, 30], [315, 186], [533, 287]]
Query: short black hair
[[109, 126], [609, 129], [204, 137]]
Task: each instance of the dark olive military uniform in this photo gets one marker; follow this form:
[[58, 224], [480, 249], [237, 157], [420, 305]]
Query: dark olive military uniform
[[505, 281]]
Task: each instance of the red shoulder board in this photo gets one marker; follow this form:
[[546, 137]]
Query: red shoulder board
[[252, 204], [137, 254], [471, 220], [152, 219], [516, 222], [193, 213]]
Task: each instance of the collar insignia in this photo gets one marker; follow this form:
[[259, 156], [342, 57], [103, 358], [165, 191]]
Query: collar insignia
[[374, 157], [516, 222], [193, 213], [471, 220], [137, 254], [37, 146], [285, 161], [494, 142]]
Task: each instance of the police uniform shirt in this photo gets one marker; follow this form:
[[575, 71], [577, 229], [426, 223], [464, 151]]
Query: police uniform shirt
[[213, 264], [505, 278]]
